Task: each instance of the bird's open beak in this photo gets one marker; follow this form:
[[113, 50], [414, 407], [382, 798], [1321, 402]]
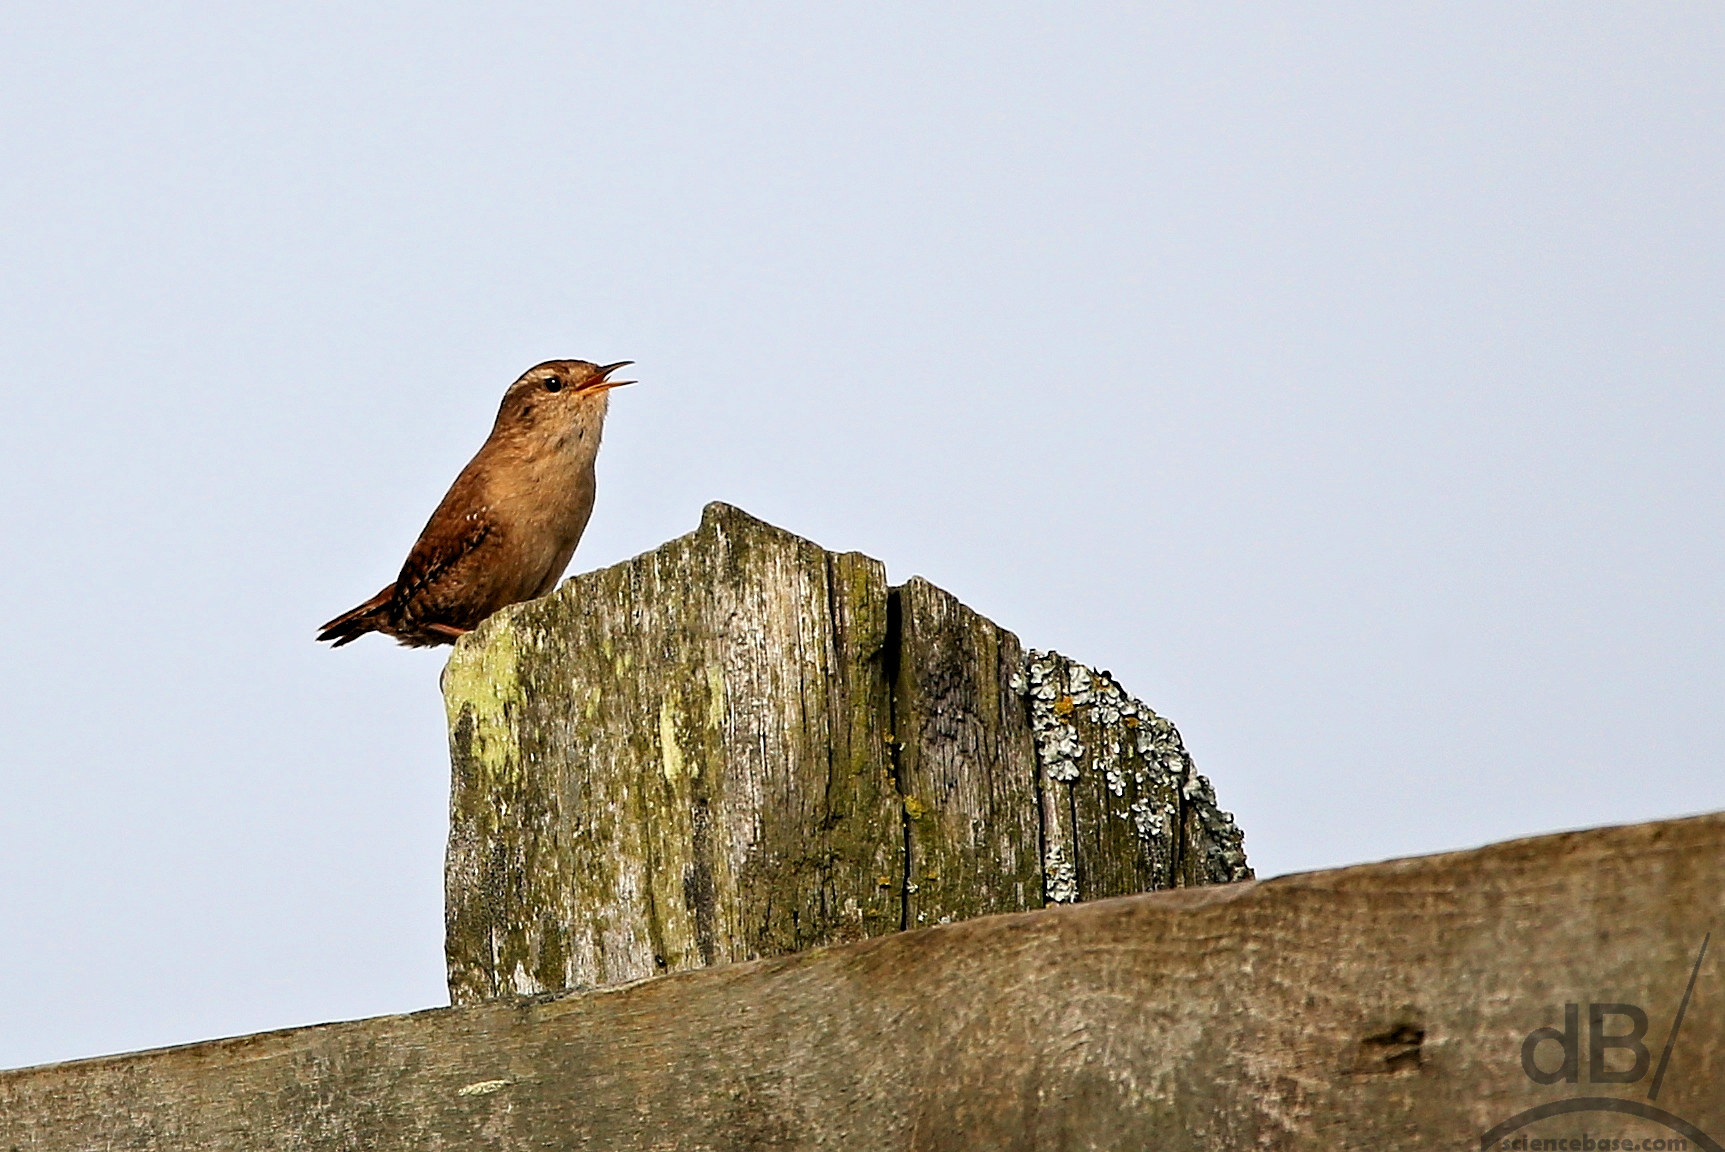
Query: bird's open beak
[[605, 370]]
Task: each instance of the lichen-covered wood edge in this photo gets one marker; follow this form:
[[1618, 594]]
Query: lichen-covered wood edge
[[1381, 1006], [741, 745]]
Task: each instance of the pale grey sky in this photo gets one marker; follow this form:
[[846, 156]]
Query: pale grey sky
[[1347, 379]]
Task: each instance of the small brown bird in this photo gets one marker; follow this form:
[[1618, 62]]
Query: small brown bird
[[509, 524]]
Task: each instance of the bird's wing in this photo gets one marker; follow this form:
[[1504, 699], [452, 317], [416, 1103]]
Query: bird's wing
[[426, 589]]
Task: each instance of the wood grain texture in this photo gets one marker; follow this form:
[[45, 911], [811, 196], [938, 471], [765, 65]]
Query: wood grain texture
[[967, 765], [1365, 1008], [676, 761], [741, 745]]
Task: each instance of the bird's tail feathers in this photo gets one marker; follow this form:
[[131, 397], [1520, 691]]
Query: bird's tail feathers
[[356, 622]]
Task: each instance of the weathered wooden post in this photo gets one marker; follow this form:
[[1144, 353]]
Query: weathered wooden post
[[741, 745]]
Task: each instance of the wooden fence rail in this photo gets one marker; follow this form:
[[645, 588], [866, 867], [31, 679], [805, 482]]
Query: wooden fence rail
[[1383, 1006]]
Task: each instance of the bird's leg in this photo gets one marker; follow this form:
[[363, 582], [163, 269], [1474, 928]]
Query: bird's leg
[[448, 631]]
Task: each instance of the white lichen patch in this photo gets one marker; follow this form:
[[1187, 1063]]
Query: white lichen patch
[[1084, 724], [523, 984], [1059, 878]]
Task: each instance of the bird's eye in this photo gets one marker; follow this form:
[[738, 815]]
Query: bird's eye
[[553, 385]]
